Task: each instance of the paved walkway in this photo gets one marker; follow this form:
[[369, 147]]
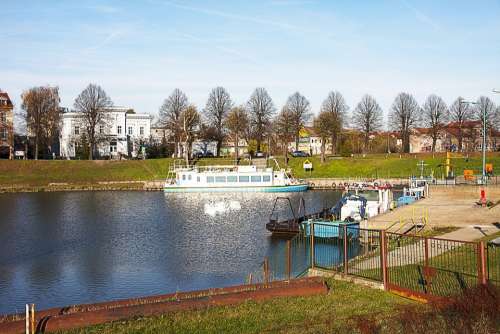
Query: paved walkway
[[448, 206]]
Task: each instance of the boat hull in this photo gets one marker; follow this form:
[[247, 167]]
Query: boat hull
[[265, 189], [331, 229]]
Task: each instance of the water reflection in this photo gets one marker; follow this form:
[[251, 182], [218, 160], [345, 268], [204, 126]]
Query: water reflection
[[68, 248]]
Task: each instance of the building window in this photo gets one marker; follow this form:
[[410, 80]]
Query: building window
[[141, 131], [101, 129], [119, 129], [244, 179], [3, 117], [3, 134], [130, 130], [77, 130], [256, 178]]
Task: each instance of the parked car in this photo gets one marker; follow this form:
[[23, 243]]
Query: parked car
[[199, 155], [299, 154], [259, 154]]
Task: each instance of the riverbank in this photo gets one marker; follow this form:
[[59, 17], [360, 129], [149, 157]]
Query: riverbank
[[69, 175]]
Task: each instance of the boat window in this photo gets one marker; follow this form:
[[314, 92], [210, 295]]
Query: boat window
[[220, 179], [266, 178], [232, 178], [244, 178], [210, 179], [184, 177], [197, 179], [189, 177], [256, 178]]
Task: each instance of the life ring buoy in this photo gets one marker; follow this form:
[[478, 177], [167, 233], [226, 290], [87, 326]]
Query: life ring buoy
[[334, 185], [375, 184], [346, 184], [311, 184], [355, 185]]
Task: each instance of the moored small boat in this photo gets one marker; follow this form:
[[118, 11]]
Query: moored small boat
[[231, 178]]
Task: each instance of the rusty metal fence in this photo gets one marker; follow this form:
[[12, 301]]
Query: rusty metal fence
[[412, 265]]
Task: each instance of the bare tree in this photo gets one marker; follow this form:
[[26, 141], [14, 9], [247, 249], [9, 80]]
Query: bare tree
[[190, 121], [261, 110], [218, 106], [169, 116], [336, 105], [435, 116], [323, 125], [41, 111], [285, 130], [460, 113], [367, 117], [237, 123], [299, 108], [486, 112], [93, 103], [404, 116]]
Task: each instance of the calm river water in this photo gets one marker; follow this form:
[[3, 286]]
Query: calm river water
[[66, 248]]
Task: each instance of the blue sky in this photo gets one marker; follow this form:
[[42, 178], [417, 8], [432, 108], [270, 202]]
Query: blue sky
[[139, 51]]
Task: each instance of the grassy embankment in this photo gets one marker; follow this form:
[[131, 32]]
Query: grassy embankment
[[317, 314], [41, 173]]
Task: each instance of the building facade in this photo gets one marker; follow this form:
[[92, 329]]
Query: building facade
[[122, 133], [310, 142], [6, 126]]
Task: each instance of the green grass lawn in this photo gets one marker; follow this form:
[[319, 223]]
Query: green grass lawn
[[42, 172], [387, 166], [316, 314]]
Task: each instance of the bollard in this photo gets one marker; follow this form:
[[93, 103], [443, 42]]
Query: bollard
[[27, 318], [33, 318]]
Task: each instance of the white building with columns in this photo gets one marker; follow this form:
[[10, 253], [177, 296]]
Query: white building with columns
[[123, 133]]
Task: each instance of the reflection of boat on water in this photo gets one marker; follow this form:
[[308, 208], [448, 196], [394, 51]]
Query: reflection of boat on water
[[230, 178]]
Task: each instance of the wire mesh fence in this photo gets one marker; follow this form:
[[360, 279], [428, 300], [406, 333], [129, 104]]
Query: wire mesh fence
[[417, 265], [493, 262]]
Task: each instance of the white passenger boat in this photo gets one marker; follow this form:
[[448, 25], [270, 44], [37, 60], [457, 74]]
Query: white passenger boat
[[230, 178]]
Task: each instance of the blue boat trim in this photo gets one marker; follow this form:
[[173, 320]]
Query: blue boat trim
[[269, 189]]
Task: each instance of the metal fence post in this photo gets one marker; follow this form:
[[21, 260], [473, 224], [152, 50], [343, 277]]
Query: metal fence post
[[426, 252], [345, 251], [312, 244], [383, 255], [266, 270], [288, 259], [483, 268]]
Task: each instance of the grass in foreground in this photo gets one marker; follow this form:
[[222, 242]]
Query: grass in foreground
[[318, 314]]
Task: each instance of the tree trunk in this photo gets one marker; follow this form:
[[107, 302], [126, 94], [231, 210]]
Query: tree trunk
[[367, 137], [334, 144], [460, 139], [323, 146], [434, 140], [285, 153], [258, 144], [236, 149], [36, 147], [296, 142], [91, 151], [219, 145]]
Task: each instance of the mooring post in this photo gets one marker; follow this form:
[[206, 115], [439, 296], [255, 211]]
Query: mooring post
[[312, 245], [383, 255], [27, 318], [266, 269], [33, 318], [346, 258], [288, 259]]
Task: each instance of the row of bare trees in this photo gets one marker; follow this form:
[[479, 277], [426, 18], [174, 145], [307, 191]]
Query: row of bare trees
[[257, 118]]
